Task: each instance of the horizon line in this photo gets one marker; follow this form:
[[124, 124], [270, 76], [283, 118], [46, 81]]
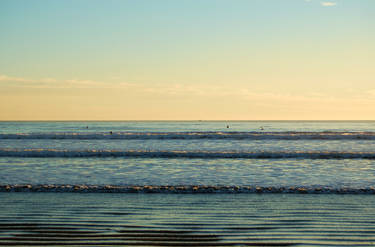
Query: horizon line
[[196, 120]]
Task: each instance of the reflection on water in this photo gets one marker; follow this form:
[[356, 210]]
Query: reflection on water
[[186, 220]]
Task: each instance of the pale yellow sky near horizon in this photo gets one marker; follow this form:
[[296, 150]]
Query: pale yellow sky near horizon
[[214, 60]]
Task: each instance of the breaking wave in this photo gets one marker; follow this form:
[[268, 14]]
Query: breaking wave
[[183, 189], [289, 135], [46, 153]]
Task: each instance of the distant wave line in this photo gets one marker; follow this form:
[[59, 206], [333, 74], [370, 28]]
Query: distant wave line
[[50, 153], [287, 135]]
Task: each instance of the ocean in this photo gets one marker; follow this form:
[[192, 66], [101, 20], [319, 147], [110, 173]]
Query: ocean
[[317, 156], [187, 183]]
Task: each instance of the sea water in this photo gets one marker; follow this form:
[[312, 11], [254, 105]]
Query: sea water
[[328, 156]]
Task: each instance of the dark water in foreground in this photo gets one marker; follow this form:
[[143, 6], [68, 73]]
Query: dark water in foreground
[[75, 219]]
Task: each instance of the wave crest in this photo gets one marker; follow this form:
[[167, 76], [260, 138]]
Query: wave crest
[[46, 153], [290, 135], [183, 189]]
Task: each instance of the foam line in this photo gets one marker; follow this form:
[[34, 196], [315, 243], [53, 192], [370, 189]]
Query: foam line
[[183, 189], [289, 135]]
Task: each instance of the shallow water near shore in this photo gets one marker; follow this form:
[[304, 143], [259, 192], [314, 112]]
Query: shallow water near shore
[[77, 219], [333, 173]]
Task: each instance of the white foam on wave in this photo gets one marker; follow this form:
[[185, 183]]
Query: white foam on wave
[[183, 189], [289, 135], [46, 153]]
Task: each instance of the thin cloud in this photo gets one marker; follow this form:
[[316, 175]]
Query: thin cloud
[[58, 83], [75, 83], [328, 4], [11, 78]]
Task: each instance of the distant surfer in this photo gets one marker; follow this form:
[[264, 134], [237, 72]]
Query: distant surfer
[[110, 132], [227, 126], [87, 127], [261, 128]]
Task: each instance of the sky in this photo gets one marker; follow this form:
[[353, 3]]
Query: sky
[[187, 60]]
